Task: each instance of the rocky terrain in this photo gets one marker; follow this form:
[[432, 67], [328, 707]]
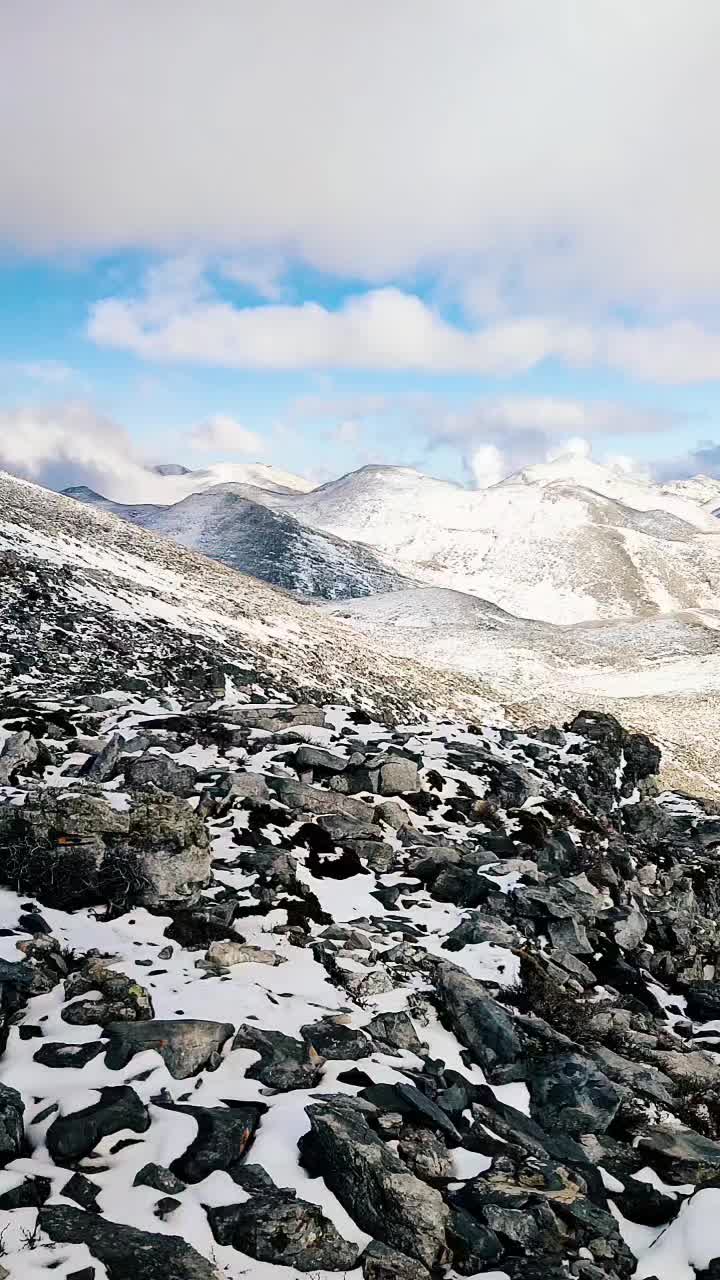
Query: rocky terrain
[[301, 977]]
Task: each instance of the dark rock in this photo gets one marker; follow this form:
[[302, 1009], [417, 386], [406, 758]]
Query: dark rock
[[82, 1191], [333, 1040], [372, 1184], [473, 1245], [396, 1030], [703, 1001], [282, 1229], [159, 1178], [223, 1138], [570, 1094], [407, 1101], [477, 1020], [57, 1054], [29, 1194], [73, 1136], [12, 1134], [425, 1155], [125, 1251], [284, 1063], [185, 1045]]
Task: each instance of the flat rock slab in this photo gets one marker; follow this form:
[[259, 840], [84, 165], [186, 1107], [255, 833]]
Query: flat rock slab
[[185, 1045], [125, 1251]]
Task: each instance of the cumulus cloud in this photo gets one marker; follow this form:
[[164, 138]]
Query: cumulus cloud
[[73, 445], [177, 318], [569, 142], [222, 434]]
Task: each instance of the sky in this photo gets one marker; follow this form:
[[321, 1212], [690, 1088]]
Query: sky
[[446, 234]]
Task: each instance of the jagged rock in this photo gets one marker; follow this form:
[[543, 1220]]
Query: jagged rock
[[473, 1245], [284, 1063], [101, 765], [276, 719], [83, 1191], [372, 1184], [311, 760], [185, 1045], [58, 1054], [31, 1193], [680, 1155], [479, 927], [18, 750], [477, 1020], [12, 1134], [125, 1251], [379, 1262], [224, 1136], [637, 1076], [282, 1229], [154, 770], [75, 1135], [412, 1103], [702, 1000], [570, 1094]]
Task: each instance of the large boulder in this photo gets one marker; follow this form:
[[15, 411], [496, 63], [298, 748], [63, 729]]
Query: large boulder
[[372, 1183], [159, 772], [121, 998], [478, 1021], [224, 1136], [280, 1228], [169, 846], [125, 1251], [19, 750], [185, 1045], [12, 1134]]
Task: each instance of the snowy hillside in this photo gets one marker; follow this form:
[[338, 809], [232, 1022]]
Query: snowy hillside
[[294, 988], [233, 523], [705, 490], [541, 545]]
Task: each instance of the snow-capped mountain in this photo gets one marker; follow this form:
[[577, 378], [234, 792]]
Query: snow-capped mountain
[[705, 490], [234, 523], [542, 544], [300, 978], [563, 542]]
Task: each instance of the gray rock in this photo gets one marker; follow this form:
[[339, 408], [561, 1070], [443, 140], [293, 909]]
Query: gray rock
[[171, 849], [274, 719], [284, 1063], [159, 1178], [680, 1155], [125, 1251], [396, 1030], [121, 998], [372, 1183], [154, 770], [315, 800], [185, 1045], [379, 1262], [18, 750], [312, 760], [336, 1041], [568, 1093], [282, 1229], [634, 1075], [102, 764], [223, 955], [477, 1020], [12, 1134], [72, 1136], [425, 1155]]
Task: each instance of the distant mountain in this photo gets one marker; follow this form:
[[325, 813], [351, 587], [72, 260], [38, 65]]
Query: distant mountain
[[232, 523], [170, 469]]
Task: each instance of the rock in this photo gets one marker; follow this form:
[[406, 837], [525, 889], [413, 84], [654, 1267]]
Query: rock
[[101, 765], [185, 1045], [408, 1101], [334, 1040], [170, 847], [72, 1136], [477, 1020], [159, 772], [282, 1229], [57, 1054], [396, 1030], [284, 1064], [29, 1194], [379, 1262], [308, 799], [121, 999], [570, 1094], [394, 814], [396, 775], [680, 1155], [312, 760], [637, 1076], [83, 1191], [702, 1001], [425, 1155], [159, 1178], [125, 1251], [19, 750], [275, 719], [372, 1183], [12, 1134], [474, 1246], [223, 955], [224, 1136]]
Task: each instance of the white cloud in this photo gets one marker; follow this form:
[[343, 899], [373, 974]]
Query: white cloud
[[260, 272], [570, 142], [176, 318], [222, 434], [487, 465]]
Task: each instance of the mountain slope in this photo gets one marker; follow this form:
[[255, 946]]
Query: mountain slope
[[538, 544], [234, 524]]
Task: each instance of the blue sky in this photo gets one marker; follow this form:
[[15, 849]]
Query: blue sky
[[502, 241]]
